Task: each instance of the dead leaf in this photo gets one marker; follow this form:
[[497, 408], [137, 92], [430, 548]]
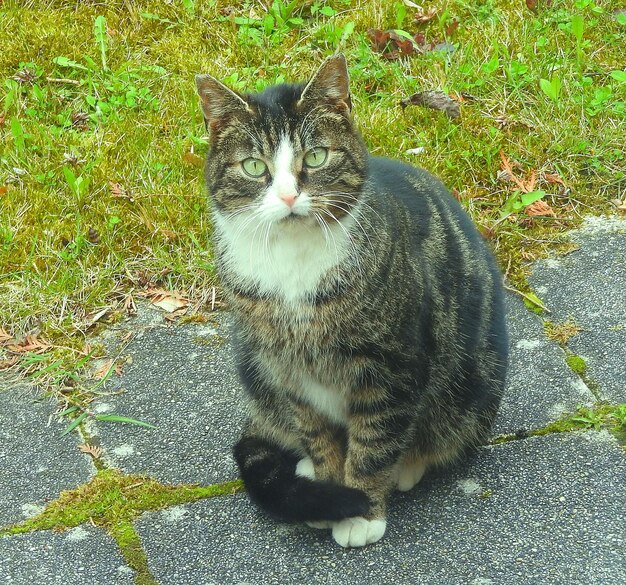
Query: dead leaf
[[421, 17], [540, 208], [5, 338], [193, 159], [30, 343], [526, 186], [436, 100], [118, 190], [79, 120], [3, 190], [451, 28], [170, 301], [93, 236], [622, 208], [95, 452], [129, 305], [8, 363], [532, 5], [173, 316], [552, 178], [103, 369], [95, 316]]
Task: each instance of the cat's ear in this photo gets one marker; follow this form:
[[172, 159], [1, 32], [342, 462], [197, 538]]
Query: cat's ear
[[331, 84], [218, 101]]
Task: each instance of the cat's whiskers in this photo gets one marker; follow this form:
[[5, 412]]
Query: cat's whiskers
[[335, 203], [326, 231], [355, 252]]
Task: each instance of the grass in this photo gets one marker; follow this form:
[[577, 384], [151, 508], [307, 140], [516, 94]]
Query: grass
[[102, 139]]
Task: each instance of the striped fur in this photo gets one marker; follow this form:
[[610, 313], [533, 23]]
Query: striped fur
[[370, 329]]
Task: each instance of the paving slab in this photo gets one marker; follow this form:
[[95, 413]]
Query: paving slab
[[540, 385], [543, 510], [36, 462], [182, 380], [81, 556], [589, 285]]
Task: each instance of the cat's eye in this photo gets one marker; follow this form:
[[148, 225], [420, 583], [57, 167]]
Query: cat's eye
[[316, 157], [254, 167]]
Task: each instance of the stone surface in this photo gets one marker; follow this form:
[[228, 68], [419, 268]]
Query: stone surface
[[540, 385], [81, 556], [183, 381], [36, 462], [543, 510], [589, 285]]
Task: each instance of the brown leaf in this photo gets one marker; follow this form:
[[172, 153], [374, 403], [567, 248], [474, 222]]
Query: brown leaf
[[3, 189], [540, 208], [79, 120], [93, 450], [8, 363], [193, 159], [93, 236], [553, 178], [436, 100], [532, 5], [173, 316], [2, 120], [507, 167], [451, 28], [5, 338], [30, 343], [118, 190], [170, 301], [129, 305], [103, 369], [95, 316], [421, 17]]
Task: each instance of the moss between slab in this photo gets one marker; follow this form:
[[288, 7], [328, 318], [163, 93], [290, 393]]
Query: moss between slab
[[112, 501], [611, 417]]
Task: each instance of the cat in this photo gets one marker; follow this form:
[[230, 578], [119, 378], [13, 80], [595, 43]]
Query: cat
[[369, 319]]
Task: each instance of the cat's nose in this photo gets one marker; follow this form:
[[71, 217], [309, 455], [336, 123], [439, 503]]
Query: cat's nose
[[289, 198]]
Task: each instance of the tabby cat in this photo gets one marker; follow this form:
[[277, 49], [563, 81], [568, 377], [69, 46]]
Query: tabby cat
[[369, 317]]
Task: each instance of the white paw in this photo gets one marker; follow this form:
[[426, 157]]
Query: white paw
[[358, 531], [408, 475], [305, 468], [320, 524]]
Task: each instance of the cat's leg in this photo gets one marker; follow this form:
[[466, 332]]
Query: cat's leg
[[409, 471], [372, 456], [324, 443]]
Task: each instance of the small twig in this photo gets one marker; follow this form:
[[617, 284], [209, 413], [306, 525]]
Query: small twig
[[62, 80]]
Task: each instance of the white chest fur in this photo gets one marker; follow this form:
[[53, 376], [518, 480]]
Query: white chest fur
[[288, 259], [330, 402]]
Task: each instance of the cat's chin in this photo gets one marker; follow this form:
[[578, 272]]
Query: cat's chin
[[296, 220]]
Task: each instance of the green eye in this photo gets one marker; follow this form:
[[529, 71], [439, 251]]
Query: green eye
[[316, 157], [254, 167]]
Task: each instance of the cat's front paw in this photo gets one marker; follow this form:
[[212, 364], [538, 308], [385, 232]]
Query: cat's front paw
[[358, 531]]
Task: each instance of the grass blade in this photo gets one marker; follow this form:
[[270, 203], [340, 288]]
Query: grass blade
[[100, 32], [124, 419], [79, 419]]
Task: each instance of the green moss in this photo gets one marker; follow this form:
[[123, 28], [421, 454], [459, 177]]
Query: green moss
[[577, 364], [129, 543], [111, 498], [611, 417]]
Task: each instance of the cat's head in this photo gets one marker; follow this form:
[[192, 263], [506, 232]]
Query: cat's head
[[288, 155]]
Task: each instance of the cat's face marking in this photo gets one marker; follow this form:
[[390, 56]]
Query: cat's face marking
[[283, 198]]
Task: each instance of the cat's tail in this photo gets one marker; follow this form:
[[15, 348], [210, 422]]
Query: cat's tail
[[268, 472]]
